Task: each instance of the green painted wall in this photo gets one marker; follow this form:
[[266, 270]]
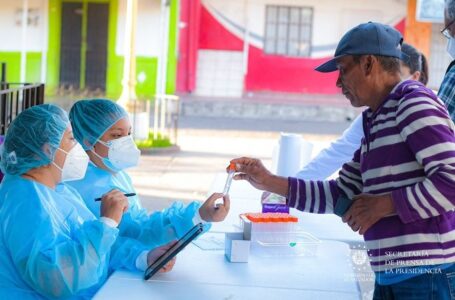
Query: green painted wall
[[146, 65], [13, 66], [114, 75], [144, 90]]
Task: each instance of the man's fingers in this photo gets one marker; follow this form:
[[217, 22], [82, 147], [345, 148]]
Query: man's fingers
[[244, 163], [241, 176], [354, 226], [347, 217], [356, 197], [241, 161]]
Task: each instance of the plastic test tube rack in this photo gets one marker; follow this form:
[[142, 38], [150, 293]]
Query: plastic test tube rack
[[277, 234], [268, 227]]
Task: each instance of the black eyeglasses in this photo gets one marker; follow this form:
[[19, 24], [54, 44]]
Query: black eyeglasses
[[446, 31]]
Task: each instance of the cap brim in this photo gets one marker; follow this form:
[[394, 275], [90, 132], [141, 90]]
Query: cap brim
[[329, 66]]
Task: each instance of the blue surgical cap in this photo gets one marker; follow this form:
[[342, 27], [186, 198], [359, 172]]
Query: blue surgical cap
[[92, 118], [33, 138]]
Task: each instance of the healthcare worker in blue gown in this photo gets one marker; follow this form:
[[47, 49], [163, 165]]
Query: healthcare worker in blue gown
[[103, 129], [51, 245]]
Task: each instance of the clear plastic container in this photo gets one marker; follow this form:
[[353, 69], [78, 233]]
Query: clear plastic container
[[297, 243], [278, 238]]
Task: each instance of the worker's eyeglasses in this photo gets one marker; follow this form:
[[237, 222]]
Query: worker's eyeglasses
[[446, 31]]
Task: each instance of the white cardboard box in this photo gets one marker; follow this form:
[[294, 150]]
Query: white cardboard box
[[236, 248]]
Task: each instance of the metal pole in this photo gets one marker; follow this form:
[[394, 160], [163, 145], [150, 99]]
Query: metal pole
[[155, 117], [162, 63], [176, 121], [24, 41], [163, 102], [3, 78]]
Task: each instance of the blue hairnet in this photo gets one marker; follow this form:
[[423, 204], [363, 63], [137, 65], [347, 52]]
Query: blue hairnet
[[90, 119], [33, 138]]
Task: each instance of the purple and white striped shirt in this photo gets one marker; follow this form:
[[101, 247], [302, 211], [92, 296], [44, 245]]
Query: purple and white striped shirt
[[409, 151]]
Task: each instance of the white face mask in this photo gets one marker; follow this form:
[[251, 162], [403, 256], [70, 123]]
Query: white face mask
[[75, 164], [122, 154], [451, 47]]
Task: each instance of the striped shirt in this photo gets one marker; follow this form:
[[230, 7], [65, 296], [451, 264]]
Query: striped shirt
[[408, 151]]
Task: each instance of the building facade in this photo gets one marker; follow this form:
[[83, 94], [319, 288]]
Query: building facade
[[79, 44], [216, 48], [237, 47]]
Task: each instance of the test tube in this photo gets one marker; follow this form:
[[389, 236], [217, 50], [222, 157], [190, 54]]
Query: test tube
[[231, 173]]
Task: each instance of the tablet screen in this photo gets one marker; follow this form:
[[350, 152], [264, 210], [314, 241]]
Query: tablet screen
[[173, 251]]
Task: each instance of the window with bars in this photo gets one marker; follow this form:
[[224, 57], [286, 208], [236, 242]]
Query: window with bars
[[288, 30]]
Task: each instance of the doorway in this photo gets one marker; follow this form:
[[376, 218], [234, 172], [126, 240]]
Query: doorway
[[83, 49]]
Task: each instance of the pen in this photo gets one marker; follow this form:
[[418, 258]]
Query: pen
[[126, 195]]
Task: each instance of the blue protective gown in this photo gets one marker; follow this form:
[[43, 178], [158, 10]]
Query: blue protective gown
[[51, 245], [151, 230]]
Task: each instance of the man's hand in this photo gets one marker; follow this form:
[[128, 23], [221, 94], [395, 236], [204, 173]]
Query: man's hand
[[215, 213], [154, 254], [367, 210], [253, 171]]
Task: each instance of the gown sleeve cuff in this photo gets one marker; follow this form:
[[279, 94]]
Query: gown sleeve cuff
[[109, 222], [141, 261], [198, 219]]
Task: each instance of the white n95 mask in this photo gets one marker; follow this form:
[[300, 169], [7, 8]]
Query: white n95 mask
[[122, 154], [75, 164], [451, 47]]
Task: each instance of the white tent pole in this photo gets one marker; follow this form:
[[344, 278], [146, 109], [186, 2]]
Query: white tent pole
[[45, 40], [23, 69], [129, 66]]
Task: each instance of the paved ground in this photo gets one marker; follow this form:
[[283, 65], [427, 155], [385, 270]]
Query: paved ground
[[186, 175], [320, 129]]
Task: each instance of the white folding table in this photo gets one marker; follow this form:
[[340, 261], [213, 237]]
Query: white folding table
[[202, 274]]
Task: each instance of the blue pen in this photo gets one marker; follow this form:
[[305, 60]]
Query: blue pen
[[126, 195]]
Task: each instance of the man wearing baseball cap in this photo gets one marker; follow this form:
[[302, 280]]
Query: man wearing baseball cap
[[399, 189]]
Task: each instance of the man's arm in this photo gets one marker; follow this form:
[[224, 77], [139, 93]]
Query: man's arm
[[429, 133], [304, 195]]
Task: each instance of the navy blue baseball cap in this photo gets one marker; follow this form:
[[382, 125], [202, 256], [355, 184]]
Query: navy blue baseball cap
[[366, 39]]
